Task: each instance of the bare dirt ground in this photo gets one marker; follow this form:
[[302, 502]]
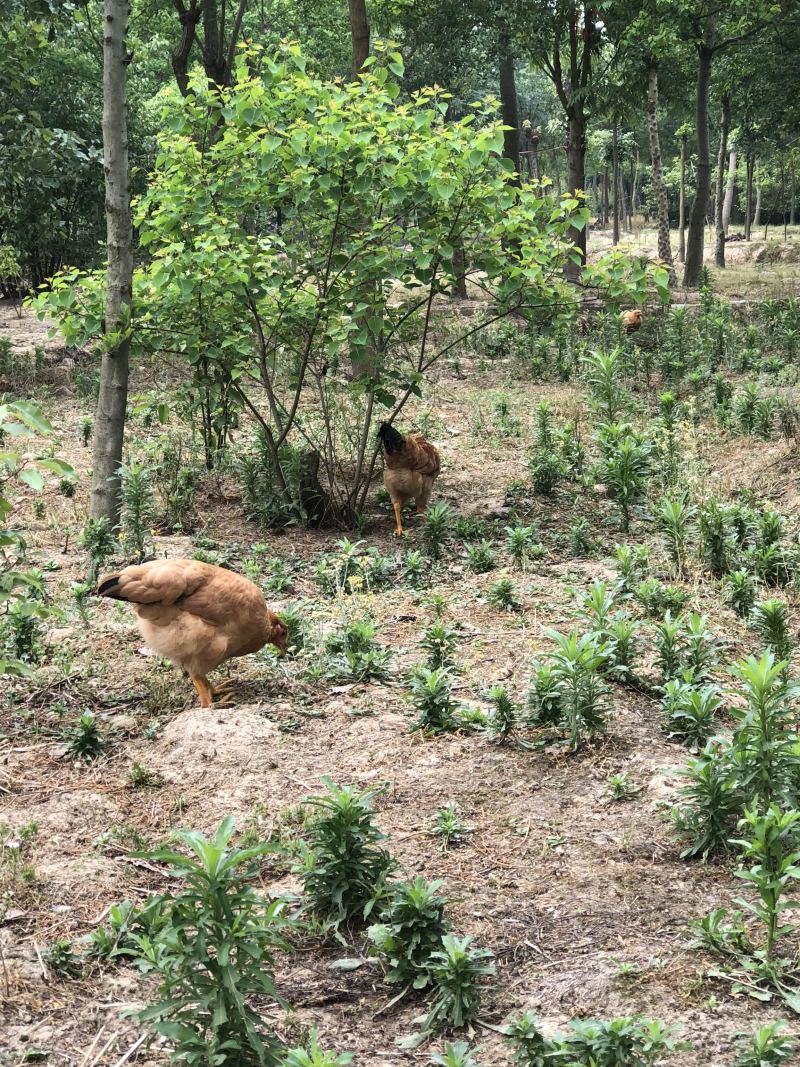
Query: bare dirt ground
[[584, 902]]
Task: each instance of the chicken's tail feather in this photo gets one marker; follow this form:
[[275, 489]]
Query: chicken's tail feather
[[391, 439], [109, 586]]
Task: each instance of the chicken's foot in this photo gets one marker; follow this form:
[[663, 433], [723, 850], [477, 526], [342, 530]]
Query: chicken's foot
[[398, 521]]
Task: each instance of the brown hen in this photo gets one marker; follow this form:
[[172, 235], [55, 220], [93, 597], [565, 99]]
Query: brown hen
[[411, 466], [197, 615], [632, 320]]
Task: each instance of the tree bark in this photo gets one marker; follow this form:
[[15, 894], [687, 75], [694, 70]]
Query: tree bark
[[359, 33], [606, 212], [682, 206], [697, 220], [109, 423], [748, 197], [634, 187], [757, 212], [509, 107], [219, 53], [719, 206], [615, 173], [659, 185], [729, 191]]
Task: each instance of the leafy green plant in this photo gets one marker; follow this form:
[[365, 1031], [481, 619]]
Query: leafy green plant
[[764, 740], [620, 1042], [138, 507], [603, 371], [503, 719], [673, 517], [717, 545], [521, 544], [580, 537], [771, 845], [449, 826], [546, 471], [415, 566], [314, 1056], [212, 949], [343, 868], [85, 740], [766, 1047], [457, 970], [770, 621], [621, 786], [709, 803], [631, 565], [625, 466], [410, 932], [455, 1055], [97, 541], [545, 434], [431, 694], [668, 646], [503, 595], [481, 557], [690, 712], [620, 634], [578, 685], [741, 590], [439, 641], [62, 959], [438, 520]]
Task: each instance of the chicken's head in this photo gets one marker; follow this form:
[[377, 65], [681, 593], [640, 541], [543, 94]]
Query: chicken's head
[[279, 632]]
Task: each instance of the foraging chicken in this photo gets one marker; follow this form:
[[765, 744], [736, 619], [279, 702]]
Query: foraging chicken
[[411, 466], [632, 320], [197, 615]]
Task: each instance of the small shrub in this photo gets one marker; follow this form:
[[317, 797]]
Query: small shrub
[[657, 598], [212, 947], [503, 595], [673, 518], [449, 826], [621, 787], [439, 642], [410, 932], [457, 970], [521, 545], [314, 1056], [710, 801], [138, 508], [625, 466], [97, 540], [741, 591], [343, 867], [503, 719], [415, 566], [770, 621], [454, 1055], [767, 1047], [580, 537], [631, 565], [85, 741], [437, 527], [432, 698], [481, 558], [62, 959], [690, 713], [546, 471]]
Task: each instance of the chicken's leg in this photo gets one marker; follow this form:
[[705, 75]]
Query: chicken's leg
[[398, 520], [204, 689]]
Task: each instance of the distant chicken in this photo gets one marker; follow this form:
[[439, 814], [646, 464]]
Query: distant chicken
[[411, 466], [197, 615], [632, 320]]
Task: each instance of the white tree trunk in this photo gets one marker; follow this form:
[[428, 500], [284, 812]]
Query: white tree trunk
[[729, 190], [109, 425]]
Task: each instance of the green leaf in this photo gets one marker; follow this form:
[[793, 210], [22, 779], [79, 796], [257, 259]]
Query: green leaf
[[32, 478]]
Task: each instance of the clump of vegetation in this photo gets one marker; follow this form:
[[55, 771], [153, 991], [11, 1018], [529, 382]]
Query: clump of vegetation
[[449, 826], [343, 866], [410, 932], [622, 1042], [571, 682], [212, 949], [85, 740], [431, 694]]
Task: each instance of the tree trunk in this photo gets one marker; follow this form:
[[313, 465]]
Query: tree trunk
[[697, 220], [792, 201], [459, 291], [659, 185], [359, 33], [535, 139], [634, 187], [219, 54], [615, 173], [719, 206], [606, 212], [730, 189], [576, 178], [109, 423], [748, 197], [509, 108], [682, 205], [757, 212]]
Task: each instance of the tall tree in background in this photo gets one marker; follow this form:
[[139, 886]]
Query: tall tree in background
[[218, 50], [109, 425], [719, 225], [509, 105], [659, 185], [359, 33]]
